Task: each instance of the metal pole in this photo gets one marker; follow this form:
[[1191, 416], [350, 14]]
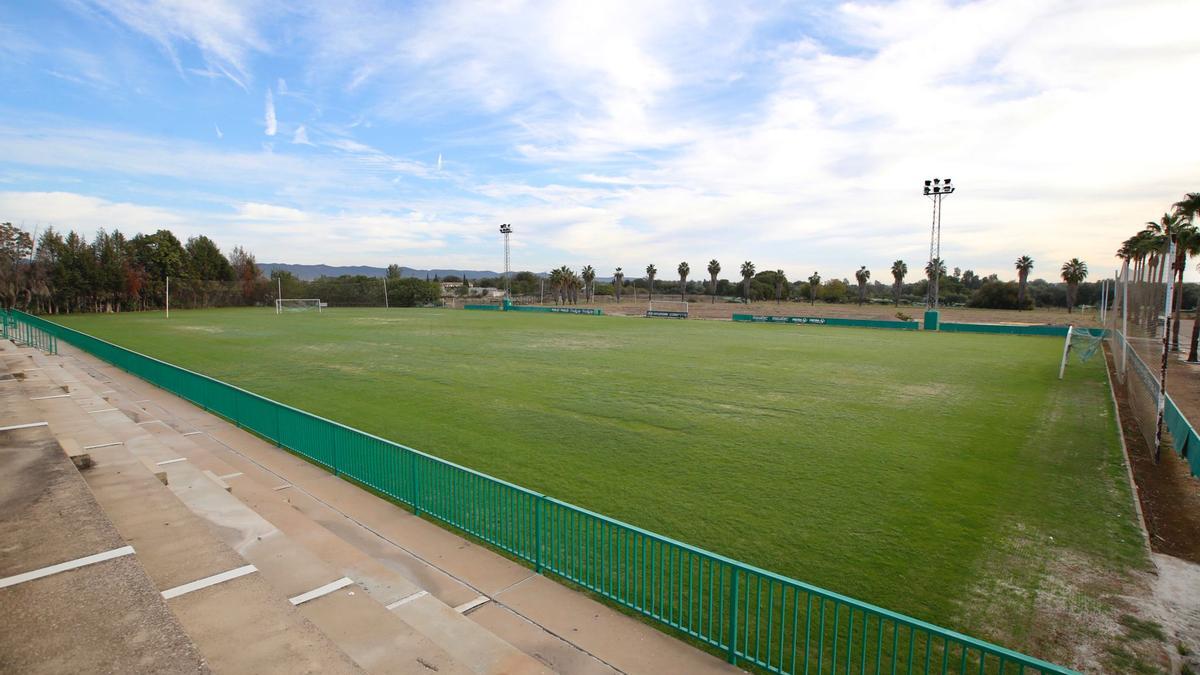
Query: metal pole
[[937, 271], [1166, 348], [385, 298], [279, 295], [1124, 317], [168, 296], [933, 274]]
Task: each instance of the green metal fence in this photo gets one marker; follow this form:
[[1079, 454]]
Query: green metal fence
[[827, 321], [14, 327], [752, 616]]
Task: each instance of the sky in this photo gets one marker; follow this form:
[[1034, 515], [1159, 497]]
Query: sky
[[794, 135]]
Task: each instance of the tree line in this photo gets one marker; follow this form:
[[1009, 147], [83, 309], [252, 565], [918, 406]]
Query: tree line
[[114, 273]]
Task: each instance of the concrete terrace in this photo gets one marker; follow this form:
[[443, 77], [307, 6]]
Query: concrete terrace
[[229, 554]]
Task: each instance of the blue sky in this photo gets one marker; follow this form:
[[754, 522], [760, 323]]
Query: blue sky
[[795, 135]]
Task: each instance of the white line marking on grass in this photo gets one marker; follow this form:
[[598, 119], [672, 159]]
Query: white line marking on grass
[[93, 412], [43, 398], [172, 461], [324, 590], [63, 567], [103, 445], [405, 601], [468, 606], [24, 426], [208, 581]]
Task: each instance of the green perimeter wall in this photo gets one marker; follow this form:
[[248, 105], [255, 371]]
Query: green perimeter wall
[[823, 321], [556, 310], [1002, 329]]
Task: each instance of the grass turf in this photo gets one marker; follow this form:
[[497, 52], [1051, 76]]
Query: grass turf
[[899, 468]]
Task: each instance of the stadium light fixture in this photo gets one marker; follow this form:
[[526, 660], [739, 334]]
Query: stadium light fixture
[[936, 189]]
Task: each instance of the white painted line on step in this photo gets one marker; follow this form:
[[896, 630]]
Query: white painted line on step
[[109, 391], [93, 412], [103, 445], [152, 422], [405, 601], [24, 426], [208, 581], [324, 590], [145, 400], [63, 567], [31, 369], [230, 475], [172, 461], [468, 606], [282, 487], [43, 398], [193, 433]]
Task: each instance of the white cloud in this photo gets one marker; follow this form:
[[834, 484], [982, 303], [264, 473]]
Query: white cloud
[[220, 134], [66, 210], [224, 31], [300, 137], [269, 115]]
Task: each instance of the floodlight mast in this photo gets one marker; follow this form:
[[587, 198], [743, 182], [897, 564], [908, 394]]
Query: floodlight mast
[[506, 230], [936, 189]]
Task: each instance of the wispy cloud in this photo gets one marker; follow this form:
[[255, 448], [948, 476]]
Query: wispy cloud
[[300, 137], [269, 115], [220, 134]]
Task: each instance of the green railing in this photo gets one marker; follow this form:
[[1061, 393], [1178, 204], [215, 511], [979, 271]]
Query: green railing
[[751, 616], [827, 321], [16, 328]]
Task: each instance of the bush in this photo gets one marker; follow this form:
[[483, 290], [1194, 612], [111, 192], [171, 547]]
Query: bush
[[998, 295]]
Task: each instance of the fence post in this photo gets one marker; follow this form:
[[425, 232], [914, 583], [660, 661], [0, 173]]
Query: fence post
[[733, 614], [537, 534], [414, 493]]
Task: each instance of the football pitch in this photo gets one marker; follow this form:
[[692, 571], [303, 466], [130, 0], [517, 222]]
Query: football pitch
[[948, 476]]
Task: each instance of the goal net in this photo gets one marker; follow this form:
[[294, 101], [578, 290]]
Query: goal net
[[668, 309], [298, 305], [1083, 343]]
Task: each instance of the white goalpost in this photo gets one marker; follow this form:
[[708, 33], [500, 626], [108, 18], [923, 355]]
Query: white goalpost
[[668, 309], [298, 305], [1083, 340]]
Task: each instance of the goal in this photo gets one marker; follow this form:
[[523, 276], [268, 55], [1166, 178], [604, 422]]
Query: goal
[[298, 305], [1083, 342], [666, 309]]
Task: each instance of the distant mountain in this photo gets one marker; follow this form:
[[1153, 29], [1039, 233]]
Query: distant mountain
[[310, 272]]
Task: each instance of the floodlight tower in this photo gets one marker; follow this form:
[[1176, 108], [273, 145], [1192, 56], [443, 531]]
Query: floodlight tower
[[506, 230], [936, 189]]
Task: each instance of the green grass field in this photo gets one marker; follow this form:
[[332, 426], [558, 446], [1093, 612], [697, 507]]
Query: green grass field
[[922, 472]]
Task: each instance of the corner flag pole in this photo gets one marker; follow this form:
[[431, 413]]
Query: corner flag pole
[[1166, 348]]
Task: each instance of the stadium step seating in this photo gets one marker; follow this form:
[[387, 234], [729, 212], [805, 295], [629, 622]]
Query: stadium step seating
[[194, 527]]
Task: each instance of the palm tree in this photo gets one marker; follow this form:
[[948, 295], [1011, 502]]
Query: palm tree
[[1074, 271], [747, 275], [618, 282], [934, 269], [651, 270], [1188, 208], [556, 283], [814, 282], [714, 268], [1024, 266], [683, 270], [589, 286], [780, 282], [899, 269], [862, 275]]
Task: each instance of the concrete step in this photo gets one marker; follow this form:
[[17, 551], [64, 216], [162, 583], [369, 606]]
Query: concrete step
[[389, 575], [51, 526], [376, 639]]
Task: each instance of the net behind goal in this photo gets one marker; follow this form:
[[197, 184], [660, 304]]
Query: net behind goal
[[298, 305], [667, 309]]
